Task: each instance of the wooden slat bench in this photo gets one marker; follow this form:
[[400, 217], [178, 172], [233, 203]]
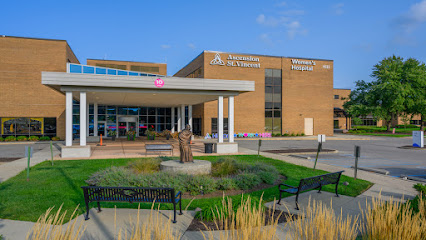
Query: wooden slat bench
[[311, 183], [158, 148], [131, 194]]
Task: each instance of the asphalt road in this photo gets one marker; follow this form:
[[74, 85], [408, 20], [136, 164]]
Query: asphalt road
[[378, 152]]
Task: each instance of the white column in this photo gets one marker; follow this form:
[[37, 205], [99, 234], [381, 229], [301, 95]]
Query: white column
[[179, 123], [173, 120], [231, 118], [68, 119], [87, 120], [190, 116], [182, 109], [83, 120], [95, 115], [220, 119]]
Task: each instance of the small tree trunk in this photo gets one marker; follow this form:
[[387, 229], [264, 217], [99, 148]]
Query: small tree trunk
[[422, 127], [388, 125]]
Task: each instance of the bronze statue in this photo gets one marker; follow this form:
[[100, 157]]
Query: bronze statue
[[184, 147]]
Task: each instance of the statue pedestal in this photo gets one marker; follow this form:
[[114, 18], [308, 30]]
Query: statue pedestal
[[197, 167]]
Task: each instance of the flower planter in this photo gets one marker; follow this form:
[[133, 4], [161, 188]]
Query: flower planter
[[131, 137], [113, 138], [151, 137], [167, 137]]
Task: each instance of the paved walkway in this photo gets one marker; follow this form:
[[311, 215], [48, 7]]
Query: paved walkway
[[102, 225]]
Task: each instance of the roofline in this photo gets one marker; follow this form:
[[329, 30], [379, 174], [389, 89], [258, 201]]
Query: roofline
[[342, 89], [122, 61], [189, 63], [46, 39], [263, 55]]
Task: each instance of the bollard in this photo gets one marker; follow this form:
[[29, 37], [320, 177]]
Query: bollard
[[51, 152], [101, 140], [357, 154], [318, 151], [258, 147]]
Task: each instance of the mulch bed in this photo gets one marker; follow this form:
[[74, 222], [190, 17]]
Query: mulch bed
[[261, 186], [199, 225], [8, 159], [298, 150]]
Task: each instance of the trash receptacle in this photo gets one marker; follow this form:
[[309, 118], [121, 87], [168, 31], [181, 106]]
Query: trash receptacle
[[208, 147]]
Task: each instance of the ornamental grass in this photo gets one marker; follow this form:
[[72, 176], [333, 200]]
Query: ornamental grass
[[394, 220], [321, 223], [50, 227], [245, 223]]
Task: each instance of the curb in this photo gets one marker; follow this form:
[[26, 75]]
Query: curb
[[381, 171], [299, 156], [413, 178]]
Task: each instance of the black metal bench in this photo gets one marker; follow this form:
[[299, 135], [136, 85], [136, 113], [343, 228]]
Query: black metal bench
[[158, 147], [311, 183], [131, 194]]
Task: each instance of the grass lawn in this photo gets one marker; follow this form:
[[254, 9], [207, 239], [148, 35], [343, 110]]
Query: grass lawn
[[383, 135], [60, 184], [381, 131]]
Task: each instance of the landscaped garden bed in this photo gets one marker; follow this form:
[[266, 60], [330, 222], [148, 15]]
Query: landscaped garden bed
[[400, 131], [60, 184]]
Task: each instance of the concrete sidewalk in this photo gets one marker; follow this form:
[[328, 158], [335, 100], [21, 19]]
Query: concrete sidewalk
[[11, 169]]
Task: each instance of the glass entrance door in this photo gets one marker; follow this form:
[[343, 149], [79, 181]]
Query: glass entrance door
[[123, 127], [101, 129]]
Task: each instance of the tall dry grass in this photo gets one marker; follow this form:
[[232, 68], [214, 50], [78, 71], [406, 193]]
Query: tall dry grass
[[246, 223], [156, 227], [393, 220], [321, 223], [50, 227]]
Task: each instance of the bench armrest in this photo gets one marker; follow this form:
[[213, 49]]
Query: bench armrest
[[179, 194], [282, 184]]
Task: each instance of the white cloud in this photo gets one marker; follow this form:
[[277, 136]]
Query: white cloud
[[287, 20], [264, 37], [191, 45], [293, 12], [406, 23], [165, 46], [338, 8], [281, 4]]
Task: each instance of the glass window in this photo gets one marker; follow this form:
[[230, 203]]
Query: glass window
[[123, 73], [268, 89], [112, 72], [277, 81], [161, 111], [91, 130], [268, 97], [277, 114], [273, 100], [36, 126], [151, 119], [8, 126], [111, 110], [76, 119], [268, 105], [75, 68], [268, 124], [101, 117], [336, 96], [101, 109], [87, 69], [160, 119], [133, 110], [76, 109], [50, 126], [268, 113], [91, 109], [122, 110], [111, 119], [22, 126], [269, 80], [168, 111], [133, 74], [277, 125], [277, 98], [268, 72], [276, 73], [143, 119], [277, 90], [101, 71], [151, 111], [142, 111], [91, 118], [277, 105]]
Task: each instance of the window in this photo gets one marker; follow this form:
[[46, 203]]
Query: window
[[225, 125], [117, 66], [336, 96], [336, 124], [24, 126], [415, 122], [366, 122], [145, 69], [273, 102]]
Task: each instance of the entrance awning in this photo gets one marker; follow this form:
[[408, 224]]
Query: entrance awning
[[142, 90]]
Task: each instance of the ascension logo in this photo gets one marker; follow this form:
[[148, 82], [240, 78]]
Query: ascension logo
[[217, 60]]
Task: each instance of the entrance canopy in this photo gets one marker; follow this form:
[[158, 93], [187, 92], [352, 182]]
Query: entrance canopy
[[106, 86], [144, 90]]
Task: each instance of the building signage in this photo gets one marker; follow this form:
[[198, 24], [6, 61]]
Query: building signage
[[418, 139], [240, 135], [236, 61], [159, 82], [302, 65]]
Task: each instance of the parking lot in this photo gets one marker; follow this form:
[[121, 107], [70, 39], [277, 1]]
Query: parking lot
[[376, 152]]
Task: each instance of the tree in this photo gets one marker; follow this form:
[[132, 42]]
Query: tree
[[415, 75], [398, 88]]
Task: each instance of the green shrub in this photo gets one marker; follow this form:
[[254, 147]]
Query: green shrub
[[291, 134], [201, 184], [1, 139], [33, 138], [260, 167], [247, 181], [421, 188], [10, 139], [302, 134], [55, 139], [226, 184], [225, 166], [21, 138], [149, 165], [285, 135], [44, 138], [267, 177]]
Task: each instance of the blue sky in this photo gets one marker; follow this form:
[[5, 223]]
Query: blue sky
[[355, 34]]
